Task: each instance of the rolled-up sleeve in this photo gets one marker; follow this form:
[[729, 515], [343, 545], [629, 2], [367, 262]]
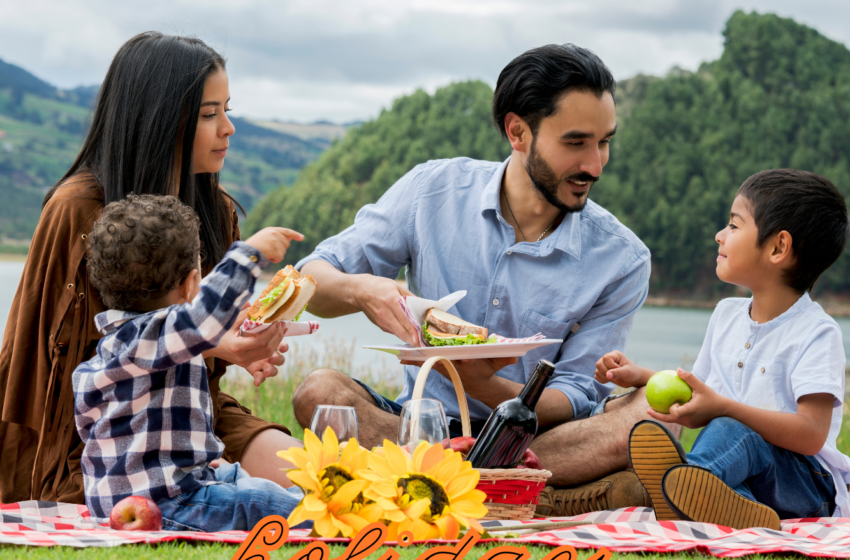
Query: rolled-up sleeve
[[379, 242], [604, 328]]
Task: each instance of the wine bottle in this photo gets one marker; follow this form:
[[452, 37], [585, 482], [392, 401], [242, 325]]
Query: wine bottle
[[511, 426]]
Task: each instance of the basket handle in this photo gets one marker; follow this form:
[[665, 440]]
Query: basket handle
[[422, 376]]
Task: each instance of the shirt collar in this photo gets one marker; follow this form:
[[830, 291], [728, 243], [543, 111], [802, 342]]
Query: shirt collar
[[110, 321], [565, 238], [800, 305]]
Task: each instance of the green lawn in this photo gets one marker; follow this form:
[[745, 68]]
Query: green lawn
[[272, 401]]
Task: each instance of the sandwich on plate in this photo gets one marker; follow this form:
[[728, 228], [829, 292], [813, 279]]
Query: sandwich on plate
[[444, 329], [285, 298]]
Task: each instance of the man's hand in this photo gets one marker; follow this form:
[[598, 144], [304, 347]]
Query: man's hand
[[705, 405], [474, 374], [247, 349], [378, 298], [264, 369], [273, 242], [614, 367]]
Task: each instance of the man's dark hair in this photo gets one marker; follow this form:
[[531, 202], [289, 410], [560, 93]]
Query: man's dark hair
[[142, 248], [810, 208], [532, 84]]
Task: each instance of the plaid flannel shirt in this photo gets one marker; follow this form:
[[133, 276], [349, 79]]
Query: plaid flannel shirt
[[142, 403]]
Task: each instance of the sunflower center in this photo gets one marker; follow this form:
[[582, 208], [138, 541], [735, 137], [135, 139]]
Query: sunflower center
[[418, 486], [334, 477]]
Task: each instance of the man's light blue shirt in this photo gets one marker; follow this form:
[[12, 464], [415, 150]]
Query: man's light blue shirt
[[442, 220]]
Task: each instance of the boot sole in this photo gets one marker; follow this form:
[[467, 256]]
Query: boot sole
[[695, 494], [653, 450]]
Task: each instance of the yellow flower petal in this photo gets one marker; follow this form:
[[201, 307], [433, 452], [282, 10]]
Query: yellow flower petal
[[314, 503], [295, 455], [382, 488], [468, 508], [356, 522], [330, 446], [399, 463], [381, 466], [305, 481], [462, 483], [298, 515], [449, 527], [314, 448], [417, 508], [371, 512], [326, 527], [346, 494], [432, 456]]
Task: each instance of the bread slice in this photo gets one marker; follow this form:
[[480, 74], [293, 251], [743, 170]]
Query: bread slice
[[306, 289], [451, 325]]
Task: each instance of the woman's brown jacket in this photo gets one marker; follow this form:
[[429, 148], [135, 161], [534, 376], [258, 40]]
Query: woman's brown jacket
[[50, 330]]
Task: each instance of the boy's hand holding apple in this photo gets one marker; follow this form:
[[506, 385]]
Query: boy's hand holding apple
[[614, 367], [705, 405]]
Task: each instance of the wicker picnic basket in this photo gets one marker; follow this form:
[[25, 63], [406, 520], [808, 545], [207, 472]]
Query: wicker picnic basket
[[511, 493]]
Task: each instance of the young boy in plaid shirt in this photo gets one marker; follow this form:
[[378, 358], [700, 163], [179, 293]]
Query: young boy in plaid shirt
[[768, 383], [142, 403]]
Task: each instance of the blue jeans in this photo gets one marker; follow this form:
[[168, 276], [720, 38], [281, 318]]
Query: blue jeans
[[235, 503], [791, 484]]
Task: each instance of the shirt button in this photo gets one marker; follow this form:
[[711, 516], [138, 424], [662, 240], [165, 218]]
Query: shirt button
[[495, 302], [747, 345], [762, 370], [740, 364], [509, 252], [254, 258]]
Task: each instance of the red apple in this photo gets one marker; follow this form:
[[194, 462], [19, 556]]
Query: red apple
[[136, 513], [462, 445], [530, 460]]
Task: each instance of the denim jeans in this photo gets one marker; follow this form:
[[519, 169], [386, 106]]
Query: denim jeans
[[235, 503], [791, 484]]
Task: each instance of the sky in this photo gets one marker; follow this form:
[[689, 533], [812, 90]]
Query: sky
[[345, 60]]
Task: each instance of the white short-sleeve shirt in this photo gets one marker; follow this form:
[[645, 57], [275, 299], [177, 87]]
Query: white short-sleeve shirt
[[771, 365]]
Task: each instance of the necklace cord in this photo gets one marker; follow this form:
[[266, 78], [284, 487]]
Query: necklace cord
[[511, 210]]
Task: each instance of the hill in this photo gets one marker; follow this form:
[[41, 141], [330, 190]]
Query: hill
[[359, 168], [779, 96], [42, 128]]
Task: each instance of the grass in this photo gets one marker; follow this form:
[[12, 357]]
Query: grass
[[272, 400]]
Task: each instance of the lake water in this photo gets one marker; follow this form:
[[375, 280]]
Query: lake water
[[662, 337]]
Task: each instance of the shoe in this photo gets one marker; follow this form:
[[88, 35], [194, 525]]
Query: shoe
[[695, 494], [653, 449], [619, 490]]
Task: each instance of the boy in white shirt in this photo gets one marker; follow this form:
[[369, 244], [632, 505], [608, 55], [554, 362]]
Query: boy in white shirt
[[768, 384]]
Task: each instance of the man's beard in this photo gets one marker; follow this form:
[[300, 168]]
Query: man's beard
[[546, 182]]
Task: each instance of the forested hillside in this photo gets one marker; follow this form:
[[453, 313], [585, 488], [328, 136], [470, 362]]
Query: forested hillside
[[359, 168], [42, 127], [779, 96]]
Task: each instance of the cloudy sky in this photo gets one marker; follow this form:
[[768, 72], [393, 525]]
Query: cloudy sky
[[344, 60]]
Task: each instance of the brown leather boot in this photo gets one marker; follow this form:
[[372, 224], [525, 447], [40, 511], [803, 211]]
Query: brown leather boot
[[618, 490]]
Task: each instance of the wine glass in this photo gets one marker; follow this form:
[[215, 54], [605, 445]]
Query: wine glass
[[422, 420], [342, 419]]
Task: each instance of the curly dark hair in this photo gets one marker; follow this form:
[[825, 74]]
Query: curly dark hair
[[141, 249]]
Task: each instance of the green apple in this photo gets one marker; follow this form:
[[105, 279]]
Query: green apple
[[666, 388]]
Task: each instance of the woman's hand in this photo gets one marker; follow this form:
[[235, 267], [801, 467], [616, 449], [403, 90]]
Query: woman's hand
[[614, 367], [273, 242], [252, 351], [705, 405]]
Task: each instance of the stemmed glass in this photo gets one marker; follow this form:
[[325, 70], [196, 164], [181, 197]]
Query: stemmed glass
[[342, 419], [422, 420]]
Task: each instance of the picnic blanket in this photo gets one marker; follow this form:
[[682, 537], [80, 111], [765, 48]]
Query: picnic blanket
[[624, 530]]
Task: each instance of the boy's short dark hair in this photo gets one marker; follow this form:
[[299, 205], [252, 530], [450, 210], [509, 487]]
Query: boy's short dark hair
[[141, 249], [532, 84], [807, 206]]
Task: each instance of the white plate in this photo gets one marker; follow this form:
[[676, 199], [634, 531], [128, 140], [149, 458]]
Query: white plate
[[470, 352]]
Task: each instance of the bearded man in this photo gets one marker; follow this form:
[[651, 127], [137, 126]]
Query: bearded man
[[535, 256]]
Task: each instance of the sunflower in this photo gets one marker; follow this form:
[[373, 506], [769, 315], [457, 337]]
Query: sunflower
[[333, 495], [431, 494]]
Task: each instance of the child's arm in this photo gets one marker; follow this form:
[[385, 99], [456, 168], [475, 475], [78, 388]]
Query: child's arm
[[614, 367], [804, 432]]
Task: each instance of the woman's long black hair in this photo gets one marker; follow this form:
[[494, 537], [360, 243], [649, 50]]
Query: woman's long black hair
[[146, 110]]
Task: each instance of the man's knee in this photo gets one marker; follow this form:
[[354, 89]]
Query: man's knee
[[323, 386]]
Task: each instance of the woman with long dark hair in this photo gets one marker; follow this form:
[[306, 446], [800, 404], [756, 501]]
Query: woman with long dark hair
[[159, 127]]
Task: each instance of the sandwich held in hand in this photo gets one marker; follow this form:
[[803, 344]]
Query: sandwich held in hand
[[284, 299], [666, 388], [444, 329]]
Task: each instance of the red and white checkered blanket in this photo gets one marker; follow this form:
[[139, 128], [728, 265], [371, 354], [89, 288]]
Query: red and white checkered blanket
[[624, 530]]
